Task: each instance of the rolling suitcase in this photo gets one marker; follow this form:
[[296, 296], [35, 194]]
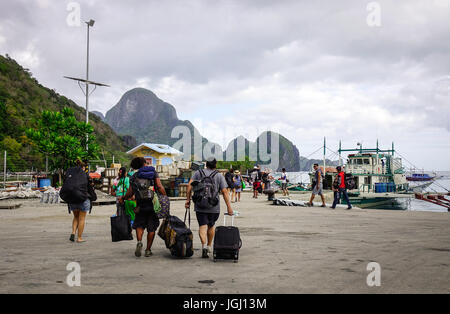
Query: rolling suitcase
[[227, 241]]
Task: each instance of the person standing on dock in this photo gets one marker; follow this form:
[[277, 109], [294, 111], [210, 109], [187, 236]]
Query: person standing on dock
[[283, 181], [340, 188], [237, 186], [317, 186], [256, 177]]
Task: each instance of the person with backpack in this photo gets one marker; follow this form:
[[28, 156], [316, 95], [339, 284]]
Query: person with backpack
[[237, 179], [207, 184], [256, 177], [143, 185], [78, 192], [340, 187], [317, 186], [230, 183]]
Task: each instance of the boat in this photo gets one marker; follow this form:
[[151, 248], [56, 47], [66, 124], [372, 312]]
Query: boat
[[380, 180], [420, 177]]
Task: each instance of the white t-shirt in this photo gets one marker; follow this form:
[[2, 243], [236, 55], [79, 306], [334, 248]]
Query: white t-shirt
[[283, 177]]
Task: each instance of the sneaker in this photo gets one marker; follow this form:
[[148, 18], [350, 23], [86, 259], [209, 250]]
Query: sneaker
[[323, 205], [148, 253], [138, 251], [333, 207], [309, 204], [205, 253], [349, 208], [72, 238]]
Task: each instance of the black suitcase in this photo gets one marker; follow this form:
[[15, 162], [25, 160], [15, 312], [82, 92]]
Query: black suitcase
[[227, 241]]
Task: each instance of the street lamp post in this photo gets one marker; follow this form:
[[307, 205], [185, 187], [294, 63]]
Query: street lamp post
[[86, 81], [89, 24]]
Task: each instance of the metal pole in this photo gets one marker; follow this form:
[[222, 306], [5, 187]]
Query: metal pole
[[4, 171], [87, 86], [46, 164]]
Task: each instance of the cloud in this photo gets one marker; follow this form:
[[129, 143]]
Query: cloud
[[309, 69]]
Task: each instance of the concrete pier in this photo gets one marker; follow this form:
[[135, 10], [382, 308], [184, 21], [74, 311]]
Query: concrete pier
[[285, 250]]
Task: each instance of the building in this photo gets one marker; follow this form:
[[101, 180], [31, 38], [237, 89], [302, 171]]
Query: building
[[159, 154]]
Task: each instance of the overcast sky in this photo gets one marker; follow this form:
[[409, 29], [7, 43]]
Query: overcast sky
[[349, 70]]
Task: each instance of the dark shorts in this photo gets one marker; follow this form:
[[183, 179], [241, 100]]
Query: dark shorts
[[207, 218], [146, 220]]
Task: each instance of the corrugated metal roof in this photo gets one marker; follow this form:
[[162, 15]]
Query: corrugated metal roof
[[160, 148]]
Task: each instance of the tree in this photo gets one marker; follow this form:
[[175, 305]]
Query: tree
[[63, 139], [242, 165]]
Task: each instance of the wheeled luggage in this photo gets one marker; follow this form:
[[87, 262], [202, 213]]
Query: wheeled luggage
[[227, 241], [177, 236]]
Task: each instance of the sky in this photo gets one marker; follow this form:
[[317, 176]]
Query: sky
[[354, 71]]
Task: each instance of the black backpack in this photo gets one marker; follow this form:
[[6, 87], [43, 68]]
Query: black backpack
[[75, 186], [206, 194], [350, 182], [143, 191]]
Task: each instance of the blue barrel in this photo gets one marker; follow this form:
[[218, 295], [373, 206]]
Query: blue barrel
[[377, 187], [383, 187], [43, 183], [391, 187]]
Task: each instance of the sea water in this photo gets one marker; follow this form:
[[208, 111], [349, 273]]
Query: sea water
[[440, 185]]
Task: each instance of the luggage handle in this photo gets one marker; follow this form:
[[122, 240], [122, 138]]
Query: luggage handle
[[225, 219]]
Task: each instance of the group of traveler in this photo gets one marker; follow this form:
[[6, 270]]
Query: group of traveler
[[203, 189], [339, 187], [128, 190], [235, 184]]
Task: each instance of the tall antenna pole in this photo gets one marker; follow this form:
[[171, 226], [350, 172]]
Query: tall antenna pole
[[324, 155], [87, 85]]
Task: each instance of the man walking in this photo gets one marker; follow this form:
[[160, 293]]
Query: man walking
[[340, 188], [318, 186], [207, 184], [142, 186]]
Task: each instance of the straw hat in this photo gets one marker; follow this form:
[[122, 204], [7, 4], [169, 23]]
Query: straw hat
[[237, 172]]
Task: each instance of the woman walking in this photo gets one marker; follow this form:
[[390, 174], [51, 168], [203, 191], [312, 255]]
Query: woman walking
[[237, 186], [121, 188], [80, 209]]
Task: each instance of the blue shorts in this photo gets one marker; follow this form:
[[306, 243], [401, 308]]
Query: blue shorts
[[207, 218], [84, 207]]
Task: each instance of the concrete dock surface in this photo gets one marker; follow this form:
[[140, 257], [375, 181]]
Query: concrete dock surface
[[285, 250]]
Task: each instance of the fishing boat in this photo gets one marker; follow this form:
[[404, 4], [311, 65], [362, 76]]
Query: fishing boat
[[380, 180]]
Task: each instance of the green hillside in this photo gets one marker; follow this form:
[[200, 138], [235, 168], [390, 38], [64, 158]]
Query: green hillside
[[22, 100]]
